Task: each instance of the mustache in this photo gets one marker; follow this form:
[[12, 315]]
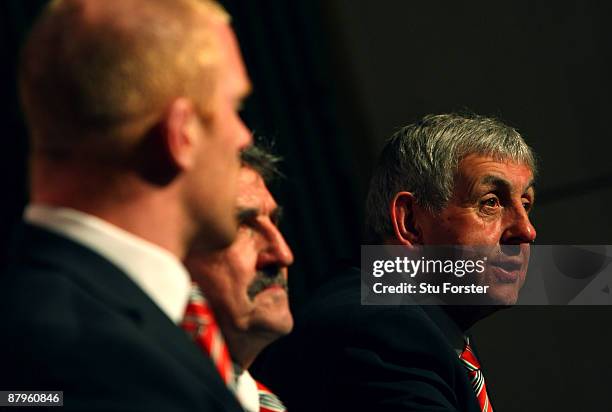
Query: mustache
[[264, 278], [509, 253]]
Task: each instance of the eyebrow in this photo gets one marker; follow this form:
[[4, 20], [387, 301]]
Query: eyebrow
[[250, 213], [493, 180], [245, 214]]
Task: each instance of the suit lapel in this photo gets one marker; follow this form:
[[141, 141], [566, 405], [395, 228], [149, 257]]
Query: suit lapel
[[109, 285], [455, 338]]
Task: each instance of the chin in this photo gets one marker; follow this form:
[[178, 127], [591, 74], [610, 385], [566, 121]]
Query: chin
[[505, 295], [272, 315], [275, 328]]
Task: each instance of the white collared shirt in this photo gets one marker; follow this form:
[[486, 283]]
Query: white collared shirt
[[155, 270], [246, 392]]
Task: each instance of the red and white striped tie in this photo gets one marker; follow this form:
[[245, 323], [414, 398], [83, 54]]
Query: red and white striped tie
[[268, 402], [470, 362], [200, 323]]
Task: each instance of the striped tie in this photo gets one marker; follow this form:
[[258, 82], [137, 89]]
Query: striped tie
[[469, 361], [200, 323], [269, 402]]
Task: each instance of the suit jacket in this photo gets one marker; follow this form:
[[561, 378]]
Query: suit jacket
[[74, 322], [345, 356]]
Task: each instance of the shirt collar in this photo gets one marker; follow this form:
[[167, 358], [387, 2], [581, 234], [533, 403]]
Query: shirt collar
[[155, 270], [247, 392]]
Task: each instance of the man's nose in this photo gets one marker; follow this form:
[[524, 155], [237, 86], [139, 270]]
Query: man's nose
[[519, 229], [277, 250]]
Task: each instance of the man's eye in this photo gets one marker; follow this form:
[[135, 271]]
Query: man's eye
[[490, 203], [527, 206], [248, 224], [248, 228]]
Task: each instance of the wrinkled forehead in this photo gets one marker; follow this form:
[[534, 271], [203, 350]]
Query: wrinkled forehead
[[521, 155], [487, 170], [253, 193]]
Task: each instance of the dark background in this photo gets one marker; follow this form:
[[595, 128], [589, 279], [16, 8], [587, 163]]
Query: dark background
[[334, 78]]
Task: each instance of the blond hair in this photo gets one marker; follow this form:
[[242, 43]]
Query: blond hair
[[99, 74]]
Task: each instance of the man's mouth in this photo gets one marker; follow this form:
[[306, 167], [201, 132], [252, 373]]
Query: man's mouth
[[264, 281], [507, 270]]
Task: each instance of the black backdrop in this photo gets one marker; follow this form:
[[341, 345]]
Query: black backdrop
[[333, 78]]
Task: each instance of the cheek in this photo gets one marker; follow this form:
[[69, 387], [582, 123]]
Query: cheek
[[244, 262], [474, 230], [450, 230], [489, 233]]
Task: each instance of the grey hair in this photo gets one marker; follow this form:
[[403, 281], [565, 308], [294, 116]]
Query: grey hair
[[423, 158], [262, 161]]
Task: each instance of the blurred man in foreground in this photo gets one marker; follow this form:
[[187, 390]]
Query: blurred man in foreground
[[448, 180], [245, 285], [132, 111]]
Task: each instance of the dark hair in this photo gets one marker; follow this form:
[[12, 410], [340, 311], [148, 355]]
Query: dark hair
[[262, 161]]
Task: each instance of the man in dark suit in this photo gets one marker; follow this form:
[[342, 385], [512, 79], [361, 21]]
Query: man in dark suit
[[452, 180], [135, 143]]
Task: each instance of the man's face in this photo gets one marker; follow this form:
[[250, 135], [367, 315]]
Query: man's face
[[246, 283], [489, 210], [213, 189]]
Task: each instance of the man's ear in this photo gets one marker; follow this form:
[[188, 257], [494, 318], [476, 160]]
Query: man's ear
[[181, 128], [403, 219]]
